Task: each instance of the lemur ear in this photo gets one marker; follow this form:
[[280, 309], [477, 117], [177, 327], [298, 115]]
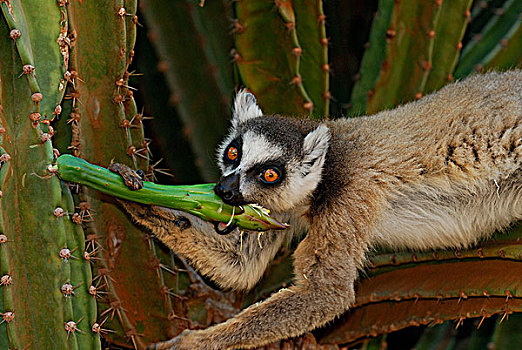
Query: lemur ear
[[315, 146], [245, 108]]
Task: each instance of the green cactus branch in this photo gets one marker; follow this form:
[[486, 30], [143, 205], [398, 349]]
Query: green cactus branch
[[37, 252], [289, 72], [502, 24], [452, 22], [199, 200]]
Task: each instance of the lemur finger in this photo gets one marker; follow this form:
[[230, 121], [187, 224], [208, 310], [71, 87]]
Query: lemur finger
[[132, 179]]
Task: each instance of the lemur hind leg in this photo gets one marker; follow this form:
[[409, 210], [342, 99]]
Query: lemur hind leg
[[236, 260]]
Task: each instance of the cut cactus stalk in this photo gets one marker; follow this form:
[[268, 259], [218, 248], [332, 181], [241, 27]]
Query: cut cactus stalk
[[199, 200]]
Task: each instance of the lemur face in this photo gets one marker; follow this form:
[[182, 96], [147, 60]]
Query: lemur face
[[268, 160]]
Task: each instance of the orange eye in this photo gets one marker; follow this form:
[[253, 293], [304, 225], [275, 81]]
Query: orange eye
[[270, 176], [232, 153]]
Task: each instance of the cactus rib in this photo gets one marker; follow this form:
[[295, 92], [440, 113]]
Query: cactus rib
[[198, 200]]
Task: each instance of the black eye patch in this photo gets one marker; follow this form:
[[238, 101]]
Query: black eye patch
[[268, 173]]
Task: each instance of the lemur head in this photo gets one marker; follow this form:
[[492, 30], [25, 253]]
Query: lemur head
[[270, 160]]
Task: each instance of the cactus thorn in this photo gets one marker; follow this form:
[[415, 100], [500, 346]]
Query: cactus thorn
[[122, 12], [125, 123], [459, 322], [7, 316], [57, 110], [438, 2], [6, 280], [321, 18], [324, 41], [238, 27], [504, 316], [77, 219], [426, 65], [15, 34], [309, 105], [26, 70], [59, 212], [67, 290], [4, 158], [118, 99], [390, 33], [297, 80], [290, 25], [97, 327], [459, 46], [72, 327], [297, 51], [449, 78], [431, 34], [66, 254], [44, 137], [327, 95], [236, 57], [467, 14], [36, 97], [462, 296], [35, 117], [325, 67], [90, 255], [418, 95], [485, 293]]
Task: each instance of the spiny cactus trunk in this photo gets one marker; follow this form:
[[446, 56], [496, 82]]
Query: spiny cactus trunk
[[44, 281], [106, 127]]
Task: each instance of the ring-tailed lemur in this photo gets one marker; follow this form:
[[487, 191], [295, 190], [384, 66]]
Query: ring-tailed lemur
[[444, 171]]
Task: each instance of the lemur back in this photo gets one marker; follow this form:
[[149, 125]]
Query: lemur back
[[444, 171]]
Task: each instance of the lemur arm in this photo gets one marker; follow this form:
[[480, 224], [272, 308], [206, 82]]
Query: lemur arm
[[324, 289], [234, 260]]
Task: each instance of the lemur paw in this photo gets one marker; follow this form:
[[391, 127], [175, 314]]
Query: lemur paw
[[188, 340], [132, 179]]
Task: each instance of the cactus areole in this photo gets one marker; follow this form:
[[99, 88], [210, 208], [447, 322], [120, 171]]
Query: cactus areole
[[198, 200]]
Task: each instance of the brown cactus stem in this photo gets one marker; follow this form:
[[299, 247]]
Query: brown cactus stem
[[379, 318], [104, 134]]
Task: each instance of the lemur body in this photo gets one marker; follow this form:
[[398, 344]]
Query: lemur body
[[444, 171]]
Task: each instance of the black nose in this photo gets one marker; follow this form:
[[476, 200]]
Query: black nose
[[228, 189]]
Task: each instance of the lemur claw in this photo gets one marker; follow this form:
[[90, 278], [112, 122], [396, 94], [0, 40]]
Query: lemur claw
[[132, 179]]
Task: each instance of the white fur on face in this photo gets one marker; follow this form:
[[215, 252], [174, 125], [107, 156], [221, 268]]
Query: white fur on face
[[302, 175], [257, 149]]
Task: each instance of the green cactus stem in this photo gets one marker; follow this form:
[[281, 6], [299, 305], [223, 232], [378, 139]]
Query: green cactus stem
[[289, 72], [449, 31], [38, 250], [199, 200], [496, 31]]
